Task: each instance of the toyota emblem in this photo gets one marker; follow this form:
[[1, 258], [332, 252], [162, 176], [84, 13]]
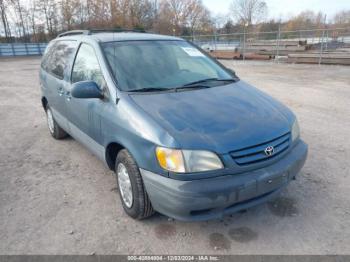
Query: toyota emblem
[[269, 150]]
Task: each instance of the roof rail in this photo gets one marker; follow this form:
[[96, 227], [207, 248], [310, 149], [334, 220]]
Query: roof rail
[[74, 32], [96, 31], [117, 30]]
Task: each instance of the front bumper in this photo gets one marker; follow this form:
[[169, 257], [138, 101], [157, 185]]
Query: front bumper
[[212, 198]]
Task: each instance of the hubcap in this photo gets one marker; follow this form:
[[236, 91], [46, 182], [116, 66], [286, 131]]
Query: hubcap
[[50, 122], [124, 184]]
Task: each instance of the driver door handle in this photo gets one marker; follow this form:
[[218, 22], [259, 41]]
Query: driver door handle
[[68, 96], [60, 91]]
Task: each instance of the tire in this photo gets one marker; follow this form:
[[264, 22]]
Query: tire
[[55, 130], [139, 206]]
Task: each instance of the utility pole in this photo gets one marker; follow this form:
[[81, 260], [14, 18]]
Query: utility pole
[[155, 23], [323, 32], [278, 42], [244, 38]]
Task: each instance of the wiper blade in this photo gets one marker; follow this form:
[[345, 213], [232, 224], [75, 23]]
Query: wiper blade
[[200, 81], [150, 89], [155, 89], [208, 80], [194, 86]]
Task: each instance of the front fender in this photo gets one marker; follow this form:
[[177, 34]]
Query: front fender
[[129, 126]]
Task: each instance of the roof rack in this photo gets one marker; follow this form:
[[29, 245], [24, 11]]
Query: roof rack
[[96, 31], [74, 32], [117, 30]]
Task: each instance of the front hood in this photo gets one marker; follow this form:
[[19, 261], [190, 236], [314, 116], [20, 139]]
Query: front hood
[[219, 119]]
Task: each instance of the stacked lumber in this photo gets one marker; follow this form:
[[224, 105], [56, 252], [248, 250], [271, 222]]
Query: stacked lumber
[[344, 49], [327, 58], [272, 47], [292, 51], [281, 42], [220, 54], [272, 50], [254, 56]]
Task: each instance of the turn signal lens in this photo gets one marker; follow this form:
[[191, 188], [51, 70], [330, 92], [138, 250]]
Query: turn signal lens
[[187, 161], [170, 159]]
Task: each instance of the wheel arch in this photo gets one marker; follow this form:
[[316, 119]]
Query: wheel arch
[[112, 150], [44, 102], [142, 151]]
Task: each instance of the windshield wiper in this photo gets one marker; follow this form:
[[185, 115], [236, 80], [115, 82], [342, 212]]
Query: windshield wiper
[[150, 89], [197, 86], [193, 85], [156, 89], [208, 80]]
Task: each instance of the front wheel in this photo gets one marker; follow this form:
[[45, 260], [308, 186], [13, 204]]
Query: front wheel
[[131, 189], [55, 130]]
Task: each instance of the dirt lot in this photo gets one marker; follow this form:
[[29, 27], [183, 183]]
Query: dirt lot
[[57, 198]]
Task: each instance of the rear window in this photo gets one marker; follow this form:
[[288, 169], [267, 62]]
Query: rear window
[[58, 57]]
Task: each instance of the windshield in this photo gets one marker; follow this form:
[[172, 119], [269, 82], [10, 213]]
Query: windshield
[[154, 65]]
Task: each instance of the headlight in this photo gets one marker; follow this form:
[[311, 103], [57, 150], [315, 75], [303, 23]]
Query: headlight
[[187, 161], [295, 130], [198, 161], [170, 159]]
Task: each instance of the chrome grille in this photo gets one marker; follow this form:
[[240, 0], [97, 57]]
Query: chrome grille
[[254, 154]]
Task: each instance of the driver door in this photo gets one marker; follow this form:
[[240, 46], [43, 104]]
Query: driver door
[[84, 115]]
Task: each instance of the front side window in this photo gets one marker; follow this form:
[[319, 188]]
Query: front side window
[[86, 66], [159, 64]]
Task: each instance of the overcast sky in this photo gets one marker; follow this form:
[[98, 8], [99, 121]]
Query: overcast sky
[[284, 9]]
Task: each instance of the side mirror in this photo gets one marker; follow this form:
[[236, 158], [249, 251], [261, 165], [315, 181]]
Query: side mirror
[[86, 89]]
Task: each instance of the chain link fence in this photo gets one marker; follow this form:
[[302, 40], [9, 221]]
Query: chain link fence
[[317, 45], [322, 46]]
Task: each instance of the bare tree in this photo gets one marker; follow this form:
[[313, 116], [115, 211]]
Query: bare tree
[[69, 10], [305, 20], [4, 20], [31, 20], [98, 13], [19, 10], [141, 13], [176, 12], [47, 17], [342, 18], [248, 12], [81, 17], [198, 15], [155, 8], [49, 11]]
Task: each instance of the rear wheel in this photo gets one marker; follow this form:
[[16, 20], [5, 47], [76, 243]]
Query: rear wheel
[[55, 130], [132, 192]]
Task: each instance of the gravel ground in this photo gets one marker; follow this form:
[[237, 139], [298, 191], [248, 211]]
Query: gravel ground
[[57, 198]]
